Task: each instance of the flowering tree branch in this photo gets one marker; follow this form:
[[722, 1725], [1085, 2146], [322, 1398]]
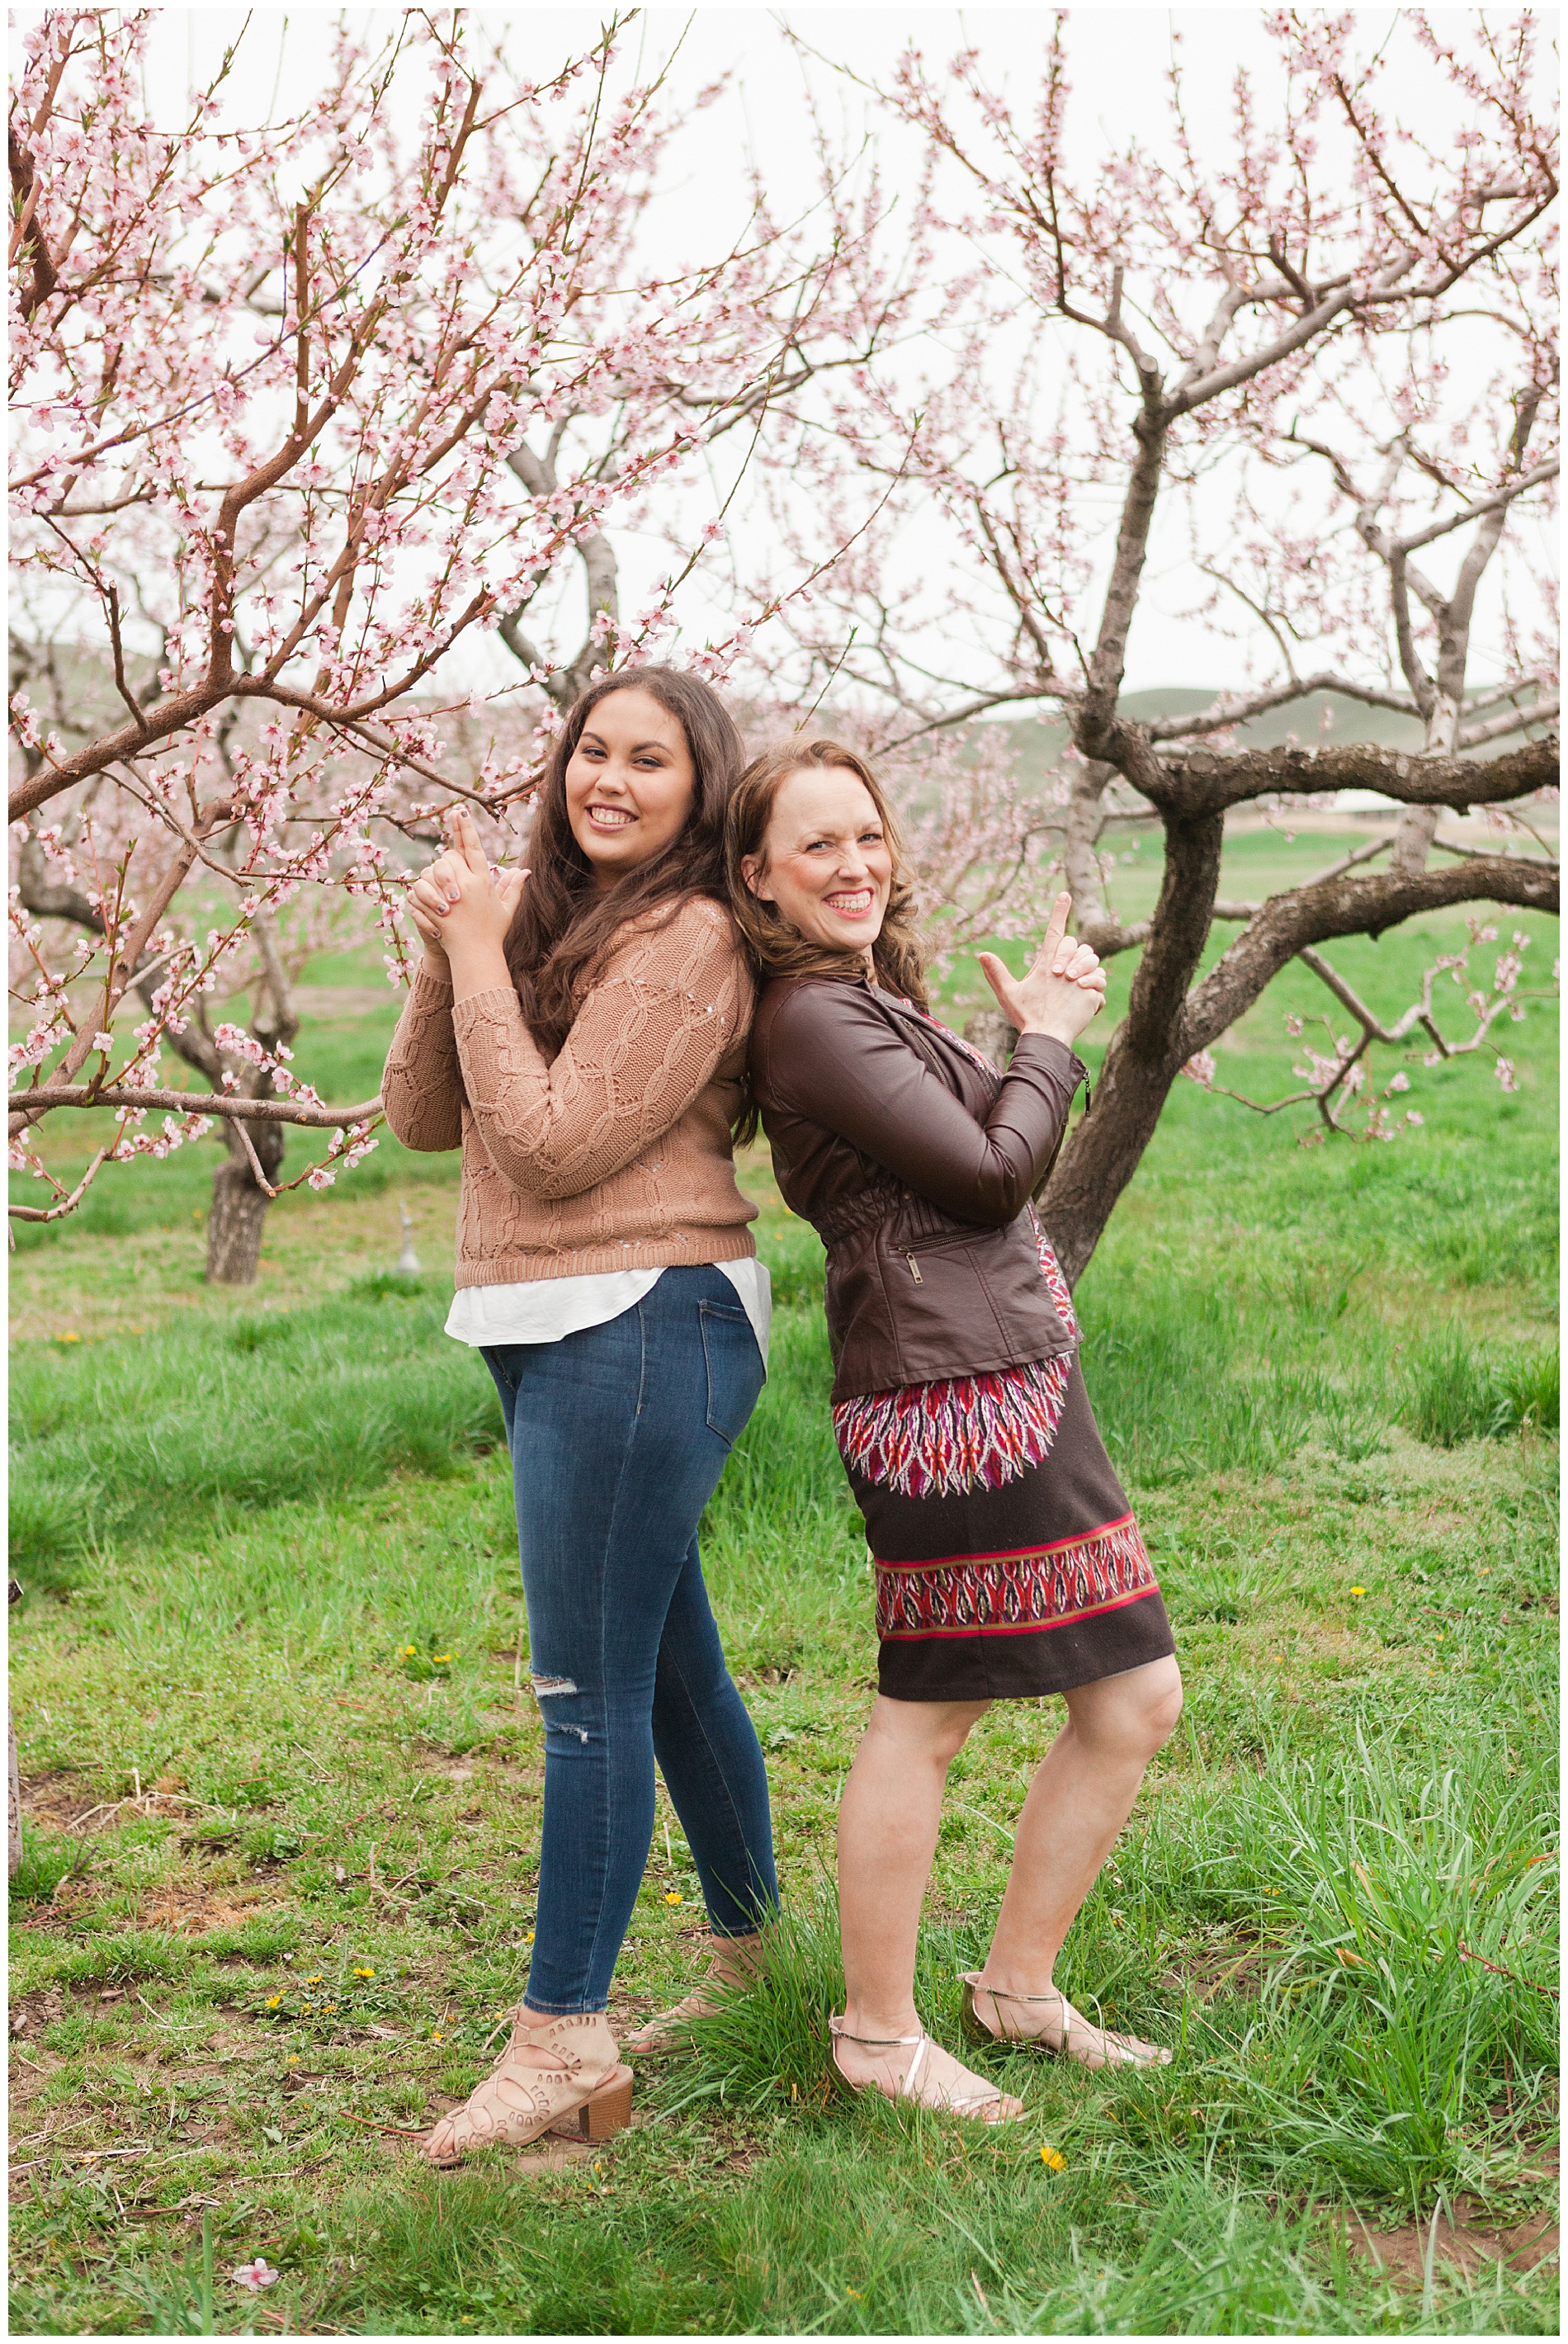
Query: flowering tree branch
[[1249, 350]]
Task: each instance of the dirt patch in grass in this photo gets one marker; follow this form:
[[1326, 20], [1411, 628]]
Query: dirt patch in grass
[[1235, 1966], [194, 1910], [1467, 2244], [63, 1803], [59, 1802]]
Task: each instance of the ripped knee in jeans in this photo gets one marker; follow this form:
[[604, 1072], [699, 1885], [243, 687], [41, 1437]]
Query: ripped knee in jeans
[[550, 1688]]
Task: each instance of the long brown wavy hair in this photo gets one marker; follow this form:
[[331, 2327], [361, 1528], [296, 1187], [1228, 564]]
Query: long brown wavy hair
[[776, 948], [560, 935]]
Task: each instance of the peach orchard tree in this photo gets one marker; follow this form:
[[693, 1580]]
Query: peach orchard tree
[[304, 410], [1309, 363]]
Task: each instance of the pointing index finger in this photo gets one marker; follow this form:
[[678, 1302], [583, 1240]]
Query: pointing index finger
[[1056, 925]]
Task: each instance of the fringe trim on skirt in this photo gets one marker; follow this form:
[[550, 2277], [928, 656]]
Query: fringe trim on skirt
[[941, 1439], [966, 1433]]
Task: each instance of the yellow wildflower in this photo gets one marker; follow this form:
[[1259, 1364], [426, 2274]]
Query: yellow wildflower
[[1052, 2157], [671, 1896], [273, 2000], [1357, 1591], [363, 1972]]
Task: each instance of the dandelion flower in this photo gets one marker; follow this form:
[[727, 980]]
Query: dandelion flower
[[363, 1972], [313, 1980], [440, 1659], [1052, 2157], [673, 1896], [530, 1937], [434, 2036], [1357, 1591], [273, 2000]]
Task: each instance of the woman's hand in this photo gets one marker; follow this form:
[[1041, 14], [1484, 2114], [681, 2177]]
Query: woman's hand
[[463, 910], [1064, 990]]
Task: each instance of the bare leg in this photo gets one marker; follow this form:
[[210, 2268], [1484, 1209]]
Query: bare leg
[[1081, 1796], [888, 1827]]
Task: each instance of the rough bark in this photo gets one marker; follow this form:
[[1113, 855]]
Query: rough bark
[[238, 1220], [13, 1803], [1350, 906], [1169, 1018], [1147, 1051]]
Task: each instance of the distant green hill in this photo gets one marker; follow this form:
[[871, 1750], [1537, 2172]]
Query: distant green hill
[[1039, 741]]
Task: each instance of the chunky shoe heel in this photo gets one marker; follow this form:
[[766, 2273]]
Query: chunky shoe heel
[[566, 2077], [603, 2114]]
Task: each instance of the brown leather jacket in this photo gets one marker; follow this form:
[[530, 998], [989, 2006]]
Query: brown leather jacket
[[915, 1162]]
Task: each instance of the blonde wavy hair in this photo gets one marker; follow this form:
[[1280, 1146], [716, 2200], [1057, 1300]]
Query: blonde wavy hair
[[776, 948]]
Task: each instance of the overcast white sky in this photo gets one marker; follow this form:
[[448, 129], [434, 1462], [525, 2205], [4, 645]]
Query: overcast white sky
[[1120, 57]]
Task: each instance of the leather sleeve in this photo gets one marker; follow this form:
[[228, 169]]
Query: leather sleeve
[[828, 1052]]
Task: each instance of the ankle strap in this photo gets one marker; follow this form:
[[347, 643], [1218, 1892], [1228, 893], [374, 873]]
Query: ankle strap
[[871, 2042], [998, 1994]]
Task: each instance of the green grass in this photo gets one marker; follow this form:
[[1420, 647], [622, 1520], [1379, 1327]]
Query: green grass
[[1329, 1377]]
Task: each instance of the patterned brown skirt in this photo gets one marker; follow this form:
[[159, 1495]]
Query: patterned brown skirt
[[1031, 1580]]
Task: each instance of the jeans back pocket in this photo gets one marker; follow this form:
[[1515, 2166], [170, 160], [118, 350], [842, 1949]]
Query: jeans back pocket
[[735, 1368]]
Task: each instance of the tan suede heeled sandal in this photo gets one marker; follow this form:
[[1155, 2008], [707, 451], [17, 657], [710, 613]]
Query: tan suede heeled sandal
[[973, 2105], [567, 2077], [1093, 2046]]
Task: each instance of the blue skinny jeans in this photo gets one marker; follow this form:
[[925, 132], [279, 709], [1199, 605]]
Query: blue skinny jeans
[[618, 1435]]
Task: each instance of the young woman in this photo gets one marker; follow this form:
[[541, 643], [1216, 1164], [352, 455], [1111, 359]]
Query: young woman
[[1007, 1564], [580, 1029]]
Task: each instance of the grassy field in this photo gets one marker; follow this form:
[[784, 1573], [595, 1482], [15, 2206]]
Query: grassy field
[[282, 1786]]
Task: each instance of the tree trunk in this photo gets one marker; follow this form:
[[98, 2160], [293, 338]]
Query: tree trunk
[[13, 1805], [1146, 1052], [238, 1217]]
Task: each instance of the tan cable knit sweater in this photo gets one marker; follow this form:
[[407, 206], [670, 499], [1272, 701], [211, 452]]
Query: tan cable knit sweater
[[616, 1155]]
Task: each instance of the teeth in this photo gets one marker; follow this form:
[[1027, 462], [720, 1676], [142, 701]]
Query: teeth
[[615, 817], [851, 904]]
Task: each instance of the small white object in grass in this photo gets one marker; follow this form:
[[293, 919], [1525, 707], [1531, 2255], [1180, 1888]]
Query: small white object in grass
[[407, 1260], [254, 2276]]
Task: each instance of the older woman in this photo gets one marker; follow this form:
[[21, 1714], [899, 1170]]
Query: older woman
[[1008, 1562]]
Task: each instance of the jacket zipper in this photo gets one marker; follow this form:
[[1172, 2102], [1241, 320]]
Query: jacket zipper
[[914, 1269]]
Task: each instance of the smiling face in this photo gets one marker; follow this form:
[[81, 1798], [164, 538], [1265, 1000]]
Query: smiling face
[[631, 783], [826, 862]]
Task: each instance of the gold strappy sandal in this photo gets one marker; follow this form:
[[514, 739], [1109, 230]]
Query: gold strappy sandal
[[972, 2104], [1080, 2039]]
